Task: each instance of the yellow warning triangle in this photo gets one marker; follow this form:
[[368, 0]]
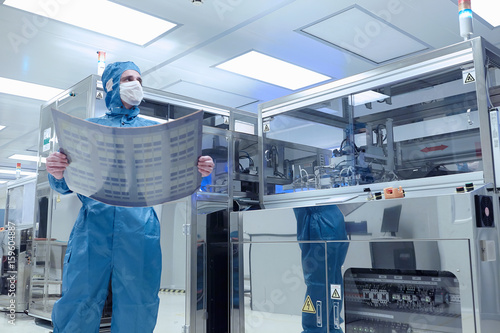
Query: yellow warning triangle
[[335, 294], [308, 306], [469, 78]]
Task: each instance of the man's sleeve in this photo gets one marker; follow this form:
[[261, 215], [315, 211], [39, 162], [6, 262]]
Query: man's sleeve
[[59, 185]]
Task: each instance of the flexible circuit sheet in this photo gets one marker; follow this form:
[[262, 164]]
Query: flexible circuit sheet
[[131, 166]]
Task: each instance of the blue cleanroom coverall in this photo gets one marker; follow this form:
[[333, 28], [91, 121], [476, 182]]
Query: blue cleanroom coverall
[[120, 244], [321, 223]]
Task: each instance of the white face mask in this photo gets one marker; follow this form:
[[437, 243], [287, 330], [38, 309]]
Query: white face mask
[[131, 92]]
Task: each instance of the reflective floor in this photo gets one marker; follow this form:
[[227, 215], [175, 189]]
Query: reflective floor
[[265, 322], [170, 317]]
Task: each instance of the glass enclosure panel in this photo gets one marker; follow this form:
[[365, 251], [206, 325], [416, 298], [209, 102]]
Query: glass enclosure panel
[[76, 103], [16, 238], [49, 249], [424, 127], [426, 247], [294, 286], [19, 205], [157, 105], [3, 204], [245, 122], [246, 162], [216, 146], [14, 212], [416, 127], [173, 217], [46, 279], [493, 85], [275, 296]]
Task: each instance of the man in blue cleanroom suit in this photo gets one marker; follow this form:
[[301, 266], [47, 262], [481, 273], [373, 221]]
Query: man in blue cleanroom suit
[[120, 244], [321, 223]]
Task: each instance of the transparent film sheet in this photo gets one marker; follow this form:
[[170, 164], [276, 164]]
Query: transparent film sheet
[[131, 166]]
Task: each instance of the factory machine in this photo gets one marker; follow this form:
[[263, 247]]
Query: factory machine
[[193, 232], [409, 154], [16, 245]]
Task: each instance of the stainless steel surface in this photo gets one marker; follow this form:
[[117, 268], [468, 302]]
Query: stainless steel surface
[[443, 227]]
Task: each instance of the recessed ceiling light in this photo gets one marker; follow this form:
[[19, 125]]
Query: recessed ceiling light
[[2, 127], [101, 16], [268, 69], [26, 89], [30, 158], [488, 10]]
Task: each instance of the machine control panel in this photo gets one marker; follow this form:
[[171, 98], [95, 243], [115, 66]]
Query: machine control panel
[[379, 301]]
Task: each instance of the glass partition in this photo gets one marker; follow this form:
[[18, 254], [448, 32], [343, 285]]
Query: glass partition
[[419, 127], [215, 144], [286, 289], [415, 119]]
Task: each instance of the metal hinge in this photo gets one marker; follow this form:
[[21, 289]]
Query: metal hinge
[[186, 229], [185, 329]]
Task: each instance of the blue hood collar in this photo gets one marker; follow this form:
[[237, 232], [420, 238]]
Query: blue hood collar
[[111, 84]]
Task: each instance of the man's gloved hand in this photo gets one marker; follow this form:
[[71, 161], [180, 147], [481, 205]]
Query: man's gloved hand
[[205, 165], [56, 164]]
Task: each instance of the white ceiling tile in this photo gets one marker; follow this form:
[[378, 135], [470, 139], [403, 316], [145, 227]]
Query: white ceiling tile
[[364, 34]]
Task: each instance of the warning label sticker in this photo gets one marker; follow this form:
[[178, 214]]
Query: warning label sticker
[[308, 306], [469, 76], [336, 291]]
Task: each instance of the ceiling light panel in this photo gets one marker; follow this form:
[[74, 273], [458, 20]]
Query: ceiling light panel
[[101, 16], [271, 70], [488, 10], [360, 32], [26, 89]]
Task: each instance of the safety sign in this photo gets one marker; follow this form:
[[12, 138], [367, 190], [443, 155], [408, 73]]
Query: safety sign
[[336, 291], [308, 306], [469, 76]]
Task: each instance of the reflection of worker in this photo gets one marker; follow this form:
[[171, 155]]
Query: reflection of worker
[[120, 244], [322, 223]]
